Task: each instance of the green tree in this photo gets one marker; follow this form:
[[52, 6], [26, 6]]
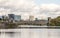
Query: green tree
[[55, 21]]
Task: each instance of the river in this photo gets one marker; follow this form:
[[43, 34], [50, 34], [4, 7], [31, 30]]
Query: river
[[30, 32]]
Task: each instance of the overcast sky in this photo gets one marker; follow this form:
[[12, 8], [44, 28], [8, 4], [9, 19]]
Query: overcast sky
[[38, 8]]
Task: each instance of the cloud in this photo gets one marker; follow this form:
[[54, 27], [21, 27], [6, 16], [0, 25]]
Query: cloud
[[50, 9], [28, 7], [17, 6], [22, 7]]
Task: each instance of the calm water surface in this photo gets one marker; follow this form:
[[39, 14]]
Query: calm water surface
[[30, 33]]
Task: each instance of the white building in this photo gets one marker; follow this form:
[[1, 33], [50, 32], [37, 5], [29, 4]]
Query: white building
[[31, 18]]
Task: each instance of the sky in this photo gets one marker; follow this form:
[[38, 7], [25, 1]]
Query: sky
[[25, 8]]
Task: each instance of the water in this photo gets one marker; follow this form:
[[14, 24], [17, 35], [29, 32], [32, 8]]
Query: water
[[30, 33]]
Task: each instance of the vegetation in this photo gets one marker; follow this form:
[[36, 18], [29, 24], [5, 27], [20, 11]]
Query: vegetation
[[55, 21], [11, 25]]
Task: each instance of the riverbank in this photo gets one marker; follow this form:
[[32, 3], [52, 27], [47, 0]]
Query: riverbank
[[38, 27]]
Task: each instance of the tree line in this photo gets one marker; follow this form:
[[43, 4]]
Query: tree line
[[55, 21]]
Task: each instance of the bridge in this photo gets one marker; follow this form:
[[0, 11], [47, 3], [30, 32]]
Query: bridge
[[44, 22]]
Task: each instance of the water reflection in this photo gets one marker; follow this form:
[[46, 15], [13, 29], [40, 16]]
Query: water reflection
[[32, 33], [10, 35]]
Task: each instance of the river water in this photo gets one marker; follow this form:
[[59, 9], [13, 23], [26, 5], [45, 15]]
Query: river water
[[30, 33]]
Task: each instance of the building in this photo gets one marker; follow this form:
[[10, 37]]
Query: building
[[0, 17], [49, 19], [36, 19], [17, 18], [31, 18], [11, 16]]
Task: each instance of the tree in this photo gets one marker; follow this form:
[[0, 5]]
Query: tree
[[11, 25], [55, 21]]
